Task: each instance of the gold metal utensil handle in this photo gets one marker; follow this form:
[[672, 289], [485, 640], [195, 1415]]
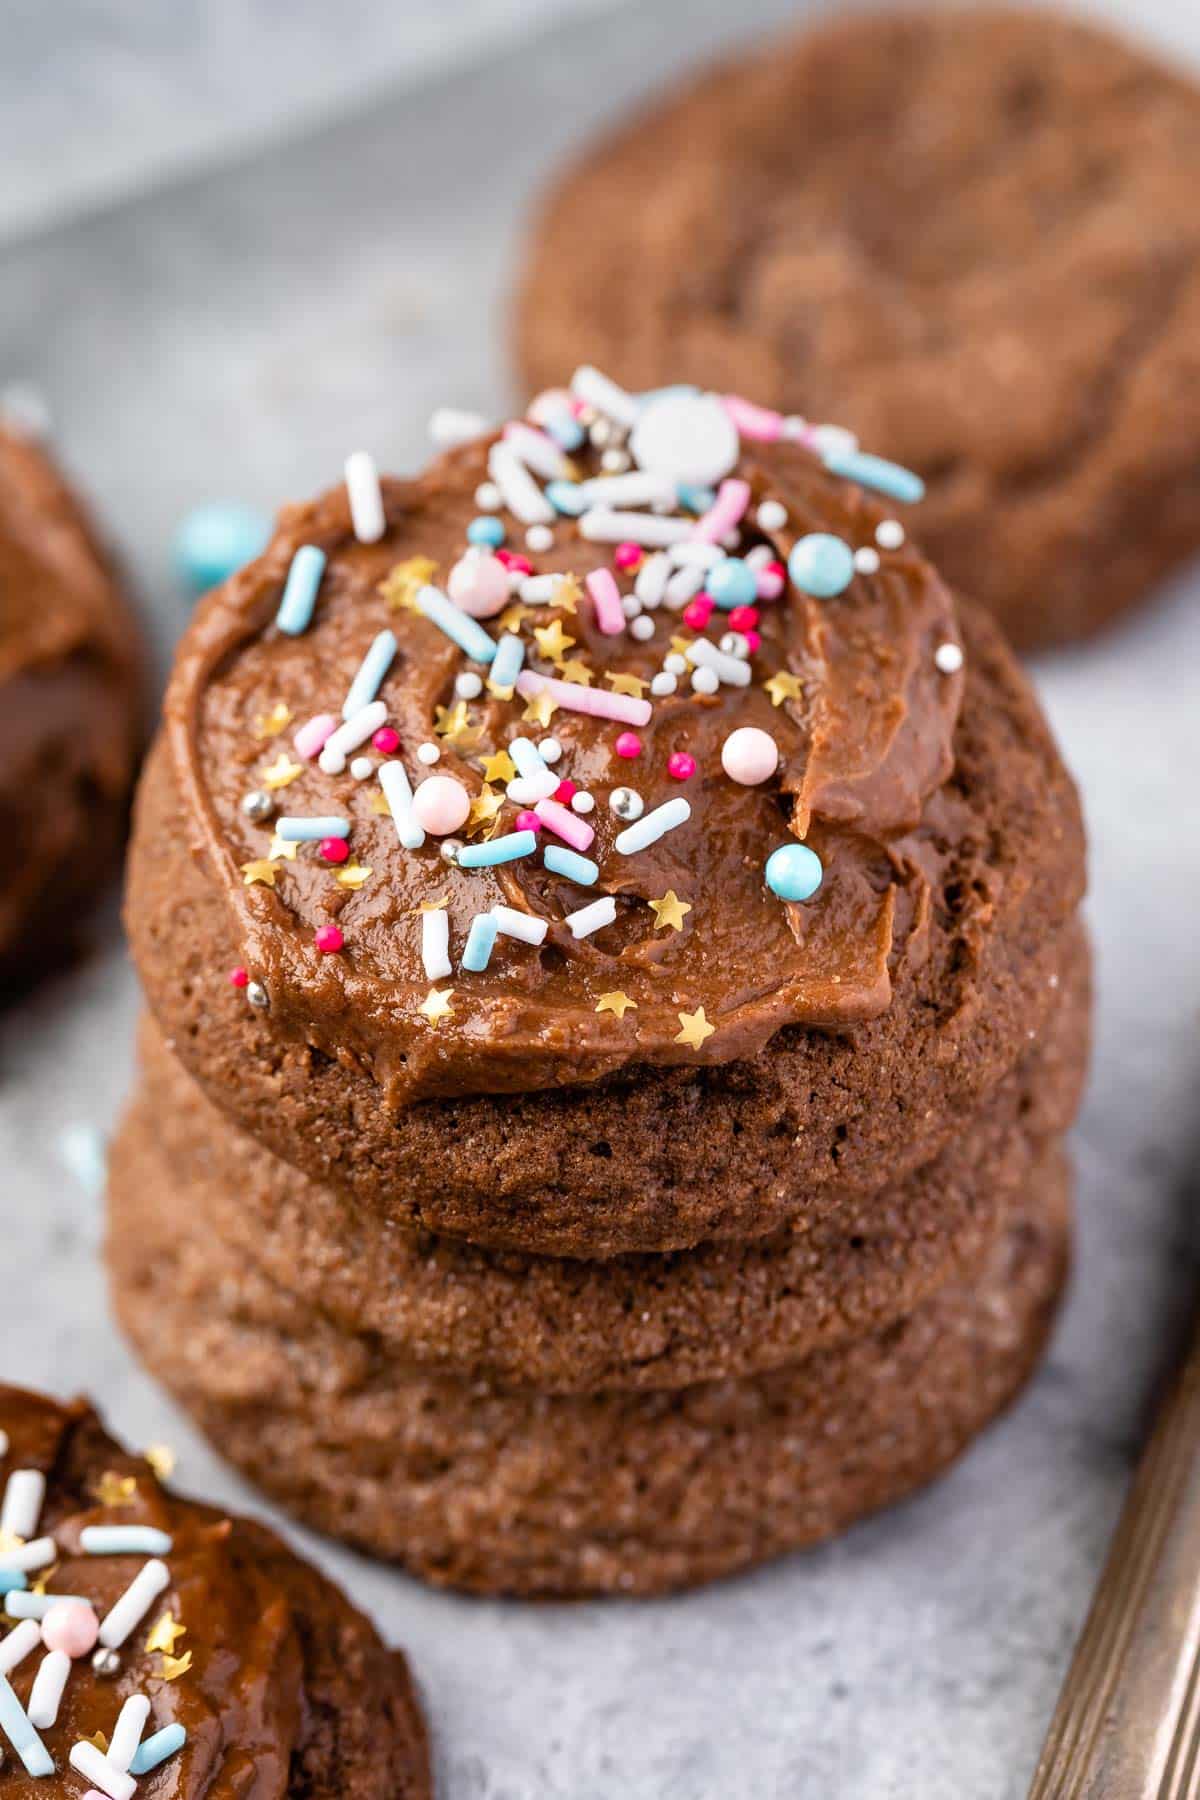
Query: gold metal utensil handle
[[1127, 1725]]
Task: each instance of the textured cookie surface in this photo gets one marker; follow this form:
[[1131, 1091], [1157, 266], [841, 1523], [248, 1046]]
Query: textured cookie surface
[[506, 1490], [634, 1322], [970, 236], [657, 1158], [70, 711], [281, 1687]]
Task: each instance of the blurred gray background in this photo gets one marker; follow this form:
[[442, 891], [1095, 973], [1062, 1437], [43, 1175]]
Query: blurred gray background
[[239, 239]]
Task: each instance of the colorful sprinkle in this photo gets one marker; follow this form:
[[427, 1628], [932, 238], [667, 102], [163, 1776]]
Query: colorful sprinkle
[[435, 943], [127, 1732], [121, 1540], [568, 863], [441, 805], [821, 565], [565, 825], [794, 872], [386, 740], [72, 1627], [948, 658], [487, 532], [156, 1748], [333, 850], [46, 1694], [21, 1509], [681, 766], [311, 831], [760, 423], [18, 1644], [520, 925], [522, 495], [628, 745], [300, 590], [498, 850], [397, 791], [601, 525], [313, 737], [95, 1767], [624, 709], [732, 669], [592, 917], [458, 626], [749, 755], [481, 940], [350, 736], [889, 478], [687, 436], [329, 939], [374, 666], [698, 612], [19, 1730], [726, 513], [606, 599]]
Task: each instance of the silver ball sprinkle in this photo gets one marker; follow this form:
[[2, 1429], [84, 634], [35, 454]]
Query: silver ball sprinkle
[[106, 1663], [626, 803], [734, 644], [257, 995], [449, 848], [257, 805]]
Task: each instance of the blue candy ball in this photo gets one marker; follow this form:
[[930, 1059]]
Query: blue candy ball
[[794, 872], [821, 565], [485, 531], [732, 583], [216, 540]]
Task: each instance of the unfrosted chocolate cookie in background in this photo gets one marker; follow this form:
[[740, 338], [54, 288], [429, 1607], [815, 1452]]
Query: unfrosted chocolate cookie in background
[[206, 1658], [505, 1490], [438, 1305], [711, 1057], [71, 715], [969, 235]]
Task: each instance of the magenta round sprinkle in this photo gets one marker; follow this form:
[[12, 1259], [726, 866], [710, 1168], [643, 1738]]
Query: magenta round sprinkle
[[565, 792], [753, 641], [627, 555], [329, 939], [743, 618], [386, 741], [698, 612], [628, 744], [239, 977], [528, 821], [680, 765], [334, 850]]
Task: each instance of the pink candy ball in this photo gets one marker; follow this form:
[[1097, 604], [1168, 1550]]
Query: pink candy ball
[[329, 939], [749, 755], [629, 745], [680, 765], [334, 850], [698, 612], [528, 821], [627, 556], [441, 805], [386, 741], [239, 977], [565, 792], [743, 618], [70, 1626], [479, 584]]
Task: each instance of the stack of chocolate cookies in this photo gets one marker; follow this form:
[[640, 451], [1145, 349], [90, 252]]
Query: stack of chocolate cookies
[[608, 914]]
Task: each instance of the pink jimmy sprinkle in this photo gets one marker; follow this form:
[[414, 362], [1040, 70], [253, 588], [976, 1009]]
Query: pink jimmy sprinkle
[[572, 696], [754, 421], [310, 739], [606, 598], [725, 513], [567, 825]]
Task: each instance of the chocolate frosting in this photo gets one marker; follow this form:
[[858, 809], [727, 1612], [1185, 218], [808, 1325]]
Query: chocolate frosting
[[864, 742], [240, 1698]]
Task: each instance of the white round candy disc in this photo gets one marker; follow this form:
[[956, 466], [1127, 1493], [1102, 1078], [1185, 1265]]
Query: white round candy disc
[[686, 437]]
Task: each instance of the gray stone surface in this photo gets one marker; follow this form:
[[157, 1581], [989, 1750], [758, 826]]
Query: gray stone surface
[[237, 333]]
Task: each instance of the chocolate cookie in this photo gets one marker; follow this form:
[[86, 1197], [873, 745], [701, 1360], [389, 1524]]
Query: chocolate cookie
[[969, 235], [437, 1305], [671, 1045], [70, 712], [501, 1489], [238, 1667]]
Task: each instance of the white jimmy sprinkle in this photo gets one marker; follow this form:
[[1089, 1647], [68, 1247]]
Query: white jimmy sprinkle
[[653, 825], [17, 1645], [102, 1774], [435, 944], [356, 730], [733, 669], [22, 1508], [592, 917], [602, 526], [397, 791], [127, 1732], [652, 579], [117, 1540], [538, 452], [514, 924], [366, 497], [38, 1553], [451, 425], [522, 495], [595, 389], [45, 1696], [638, 488], [129, 1611]]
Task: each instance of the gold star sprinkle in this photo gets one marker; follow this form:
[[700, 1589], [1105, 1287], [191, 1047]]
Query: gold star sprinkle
[[539, 710], [100, 1741], [683, 646], [784, 686], [499, 767], [270, 724], [552, 640], [404, 581], [262, 870], [576, 671], [670, 911], [161, 1458], [165, 1634], [282, 849], [352, 875], [451, 721], [567, 593], [379, 803], [281, 772], [45, 1575], [616, 1002], [695, 1028], [172, 1667], [114, 1490], [484, 808], [627, 684], [512, 616], [438, 905], [436, 1005], [10, 1541]]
